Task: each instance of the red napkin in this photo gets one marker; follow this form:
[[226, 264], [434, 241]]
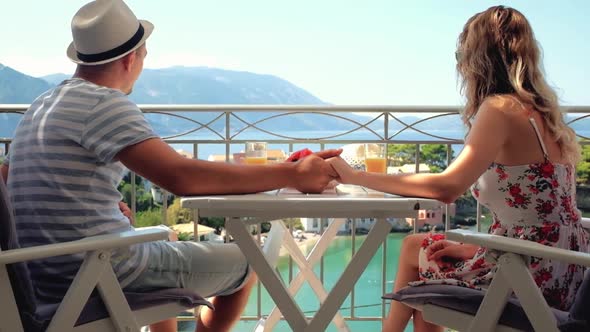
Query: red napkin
[[297, 155]]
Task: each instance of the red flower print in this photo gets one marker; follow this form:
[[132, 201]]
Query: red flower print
[[531, 177], [533, 189], [514, 190], [501, 174], [437, 237], [519, 199], [547, 170], [478, 264], [554, 183], [553, 237], [476, 192], [542, 276], [545, 207]]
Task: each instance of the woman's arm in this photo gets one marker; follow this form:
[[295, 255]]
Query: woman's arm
[[486, 139]]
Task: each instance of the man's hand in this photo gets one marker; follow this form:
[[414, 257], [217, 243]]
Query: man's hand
[[313, 173], [126, 212]]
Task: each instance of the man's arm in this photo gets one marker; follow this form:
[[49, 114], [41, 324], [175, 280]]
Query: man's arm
[[4, 172], [159, 163]]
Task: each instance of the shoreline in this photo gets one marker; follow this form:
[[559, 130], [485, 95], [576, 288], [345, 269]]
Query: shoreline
[[305, 245]]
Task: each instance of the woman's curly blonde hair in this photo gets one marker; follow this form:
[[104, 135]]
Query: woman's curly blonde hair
[[497, 54]]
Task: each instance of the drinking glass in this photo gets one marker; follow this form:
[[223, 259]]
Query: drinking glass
[[375, 160], [256, 153]]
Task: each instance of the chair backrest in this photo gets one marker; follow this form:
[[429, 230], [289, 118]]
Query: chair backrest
[[18, 273]]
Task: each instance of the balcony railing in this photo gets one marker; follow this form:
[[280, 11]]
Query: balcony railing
[[227, 127]]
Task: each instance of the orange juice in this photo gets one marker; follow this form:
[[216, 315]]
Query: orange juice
[[255, 160], [375, 165]]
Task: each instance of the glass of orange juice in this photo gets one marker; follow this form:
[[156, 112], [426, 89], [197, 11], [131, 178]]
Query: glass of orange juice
[[255, 153], [375, 160]]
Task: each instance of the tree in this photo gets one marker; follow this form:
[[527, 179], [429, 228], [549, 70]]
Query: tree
[[435, 155], [583, 167], [178, 215], [143, 197], [151, 217], [401, 154]]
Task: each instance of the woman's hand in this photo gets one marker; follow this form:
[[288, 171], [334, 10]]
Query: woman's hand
[[126, 212], [346, 174], [445, 252]]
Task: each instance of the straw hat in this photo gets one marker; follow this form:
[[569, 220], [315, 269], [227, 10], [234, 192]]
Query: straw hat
[[104, 31]]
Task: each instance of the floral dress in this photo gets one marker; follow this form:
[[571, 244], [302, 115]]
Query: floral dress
[[534, 202]]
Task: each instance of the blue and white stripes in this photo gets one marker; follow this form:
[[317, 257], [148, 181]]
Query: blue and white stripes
[[63, 177]]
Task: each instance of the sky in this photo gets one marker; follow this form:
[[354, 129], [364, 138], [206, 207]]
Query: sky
[[370, 52]]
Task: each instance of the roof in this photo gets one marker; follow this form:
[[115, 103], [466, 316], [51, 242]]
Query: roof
[[273, 155]]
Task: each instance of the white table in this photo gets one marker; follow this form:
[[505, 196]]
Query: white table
[[342, 202]]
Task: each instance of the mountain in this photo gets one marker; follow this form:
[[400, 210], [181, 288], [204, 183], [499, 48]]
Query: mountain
[[18, 88], [55, 79], [203, 85], [192, 85]]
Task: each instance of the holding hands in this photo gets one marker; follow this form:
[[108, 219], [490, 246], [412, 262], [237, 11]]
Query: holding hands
[[314, 173], [344, 173]]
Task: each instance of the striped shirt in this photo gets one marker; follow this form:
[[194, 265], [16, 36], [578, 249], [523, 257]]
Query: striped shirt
[[63, 177]]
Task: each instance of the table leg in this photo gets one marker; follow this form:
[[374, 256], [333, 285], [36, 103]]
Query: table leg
[[267, 274], [351, 274], [306, 273]]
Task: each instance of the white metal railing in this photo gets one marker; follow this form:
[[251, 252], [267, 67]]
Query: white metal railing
[[231, 126]]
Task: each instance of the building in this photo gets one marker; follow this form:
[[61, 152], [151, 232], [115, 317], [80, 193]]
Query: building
[[272, 156]]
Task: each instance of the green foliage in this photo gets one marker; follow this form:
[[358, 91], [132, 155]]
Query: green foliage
[[434, 155], [177, 215], [151, 217], [583, 167], [401, 154], [295, 223], [213, 222], [185, 236], [143, 198]]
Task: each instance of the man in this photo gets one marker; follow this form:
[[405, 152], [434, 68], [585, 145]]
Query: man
[[72, 146]]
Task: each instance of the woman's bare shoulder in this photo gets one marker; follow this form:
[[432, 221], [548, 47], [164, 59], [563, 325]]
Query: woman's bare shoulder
[[506, 105]]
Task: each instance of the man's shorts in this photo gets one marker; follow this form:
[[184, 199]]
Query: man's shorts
[[210, 269]]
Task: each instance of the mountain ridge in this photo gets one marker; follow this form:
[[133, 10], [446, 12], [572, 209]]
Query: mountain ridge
[[192, 85]]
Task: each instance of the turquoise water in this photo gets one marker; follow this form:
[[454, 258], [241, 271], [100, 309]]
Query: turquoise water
[[368, 289]]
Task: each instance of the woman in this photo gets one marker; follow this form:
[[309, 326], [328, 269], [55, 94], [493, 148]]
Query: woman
[[518, 158]]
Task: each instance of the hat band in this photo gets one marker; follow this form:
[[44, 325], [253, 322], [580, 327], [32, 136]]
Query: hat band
[[125, 47]]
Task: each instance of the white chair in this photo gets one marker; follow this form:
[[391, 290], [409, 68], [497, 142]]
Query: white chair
[[111, 309], [513, 302]]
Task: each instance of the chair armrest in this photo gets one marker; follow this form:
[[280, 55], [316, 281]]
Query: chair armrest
[[172, 236], [99, 242], [586, 223], [517, 246]]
